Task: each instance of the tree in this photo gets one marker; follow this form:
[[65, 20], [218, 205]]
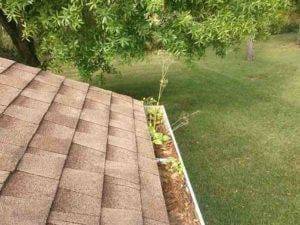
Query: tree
[[297, 3], [271, 15], [250, 49], [298, 36], [92, 33], [25, 48]]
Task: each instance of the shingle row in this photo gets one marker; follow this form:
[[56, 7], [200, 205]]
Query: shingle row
[[79, 196], [121, 192], [15, 133], [153, 203], [27, 194]]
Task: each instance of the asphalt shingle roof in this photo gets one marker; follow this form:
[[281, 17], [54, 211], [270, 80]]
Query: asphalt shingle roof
[[73, 154]]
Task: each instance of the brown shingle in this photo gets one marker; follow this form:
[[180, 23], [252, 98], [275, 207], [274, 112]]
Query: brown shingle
[[97, 89], [99, 96], [49, 78], [140, 116], [122, 101], [64, 110], [61, 119], [10, 156], [5, 63], [25, 68], [70, 97], [153, 222], [8, 122], [145, 147], [63, 115], [57, 222], [24, 211], [28, 185], [122, 143], [41, 86], [125, 110], [92, 128], [3, 176], [43, 152], [82, 181], [153, 206], [16, 78], [68, 101], [73, 202], [42, 165], [121, 182], [138, 106], [76, 85], [90, 141], [118, 154], [15, 131], [48, 128], [148, 165], [141, 129], [124, 171], [13, 81], [24, 113], [7, 94], [71, 92], [121, 197], [122, 122], [98, 116], [117, 132], [121, 118], [51, 144], [86, 159], [2, 108], [121, 217], [38, 95], [141, 126], [60, 218], [125, 98], [8, 162], [150, 183], [31, 103], [90, 104]]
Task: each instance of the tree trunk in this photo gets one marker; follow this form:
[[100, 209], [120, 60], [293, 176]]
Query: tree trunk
[[250, 50], [298, 36], [25, 48]]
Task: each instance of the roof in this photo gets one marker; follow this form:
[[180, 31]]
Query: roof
[[75, 154]]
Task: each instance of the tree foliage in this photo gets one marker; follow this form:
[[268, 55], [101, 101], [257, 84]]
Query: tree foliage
[[91, 33]]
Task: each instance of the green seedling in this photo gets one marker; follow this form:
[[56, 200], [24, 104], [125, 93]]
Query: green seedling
[[155, 116], [173, 165], [158, 138]]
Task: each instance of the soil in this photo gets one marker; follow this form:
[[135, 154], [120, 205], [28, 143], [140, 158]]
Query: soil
[[178, 199]]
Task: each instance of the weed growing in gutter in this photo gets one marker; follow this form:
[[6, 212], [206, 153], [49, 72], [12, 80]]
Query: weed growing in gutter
[[181, 209]]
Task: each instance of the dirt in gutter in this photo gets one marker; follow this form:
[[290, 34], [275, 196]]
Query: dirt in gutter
[[178, 199]]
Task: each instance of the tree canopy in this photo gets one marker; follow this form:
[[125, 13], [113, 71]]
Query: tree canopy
[[91, 33]]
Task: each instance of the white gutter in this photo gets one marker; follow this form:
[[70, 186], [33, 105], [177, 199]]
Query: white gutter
[[188, 183]]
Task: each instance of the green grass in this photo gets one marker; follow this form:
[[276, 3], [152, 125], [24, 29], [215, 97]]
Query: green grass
[[240, 151]]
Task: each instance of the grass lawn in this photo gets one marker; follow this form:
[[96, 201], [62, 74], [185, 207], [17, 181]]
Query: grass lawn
[[240, 151]]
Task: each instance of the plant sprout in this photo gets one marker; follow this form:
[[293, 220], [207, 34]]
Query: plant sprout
[[174, 165]]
